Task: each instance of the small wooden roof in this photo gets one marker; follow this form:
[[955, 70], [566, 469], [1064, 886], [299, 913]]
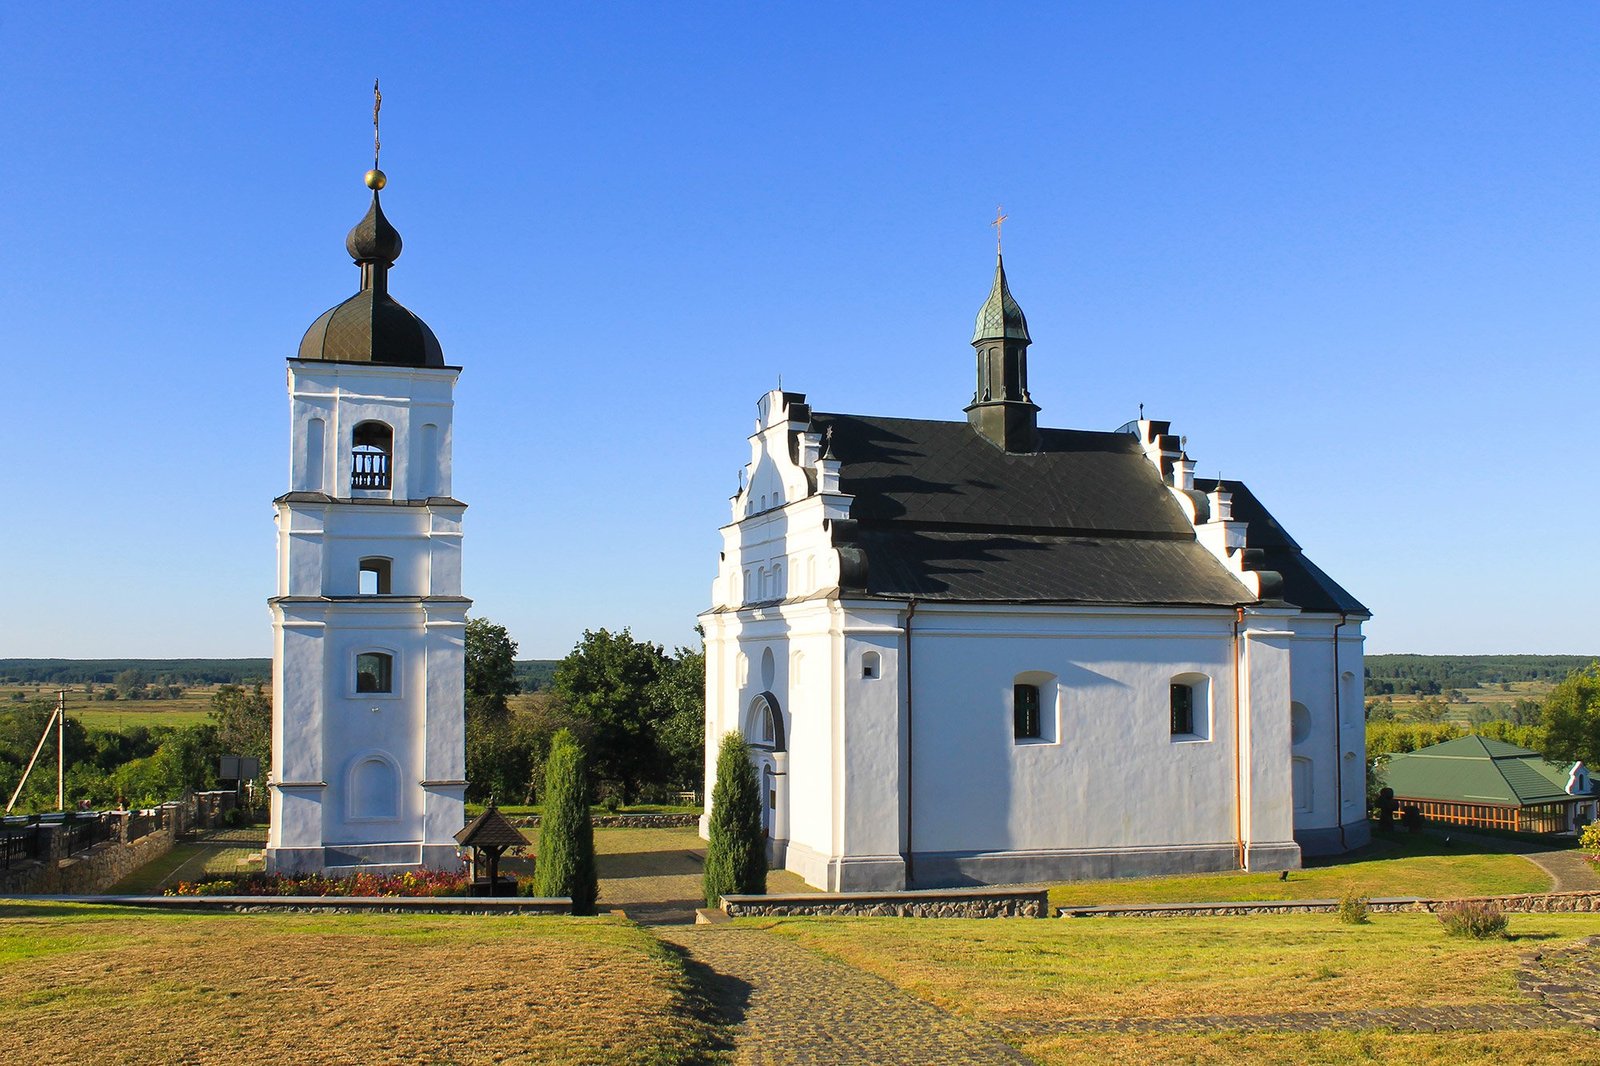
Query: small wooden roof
[[490, 830]]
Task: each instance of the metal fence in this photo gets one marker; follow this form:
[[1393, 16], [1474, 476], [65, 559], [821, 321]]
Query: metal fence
[[18, 843]]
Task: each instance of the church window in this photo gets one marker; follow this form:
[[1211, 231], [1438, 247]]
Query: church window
[[777, 581], [1035, 708], [1190, 707], [763, 725], [375, 576], [1026, 721], [372, 443], [374, 672], [869, 665]]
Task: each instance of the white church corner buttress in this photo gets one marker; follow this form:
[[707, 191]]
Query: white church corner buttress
[[369, 624]]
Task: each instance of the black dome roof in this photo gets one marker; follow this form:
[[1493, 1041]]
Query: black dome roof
[[371, 326]]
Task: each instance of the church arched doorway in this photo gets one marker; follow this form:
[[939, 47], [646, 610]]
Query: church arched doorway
[[764, 730]]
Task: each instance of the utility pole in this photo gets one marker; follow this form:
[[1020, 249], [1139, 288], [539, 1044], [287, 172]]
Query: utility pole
[[61, 750]]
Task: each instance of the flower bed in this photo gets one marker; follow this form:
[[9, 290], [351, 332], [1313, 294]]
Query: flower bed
[[409, 883]]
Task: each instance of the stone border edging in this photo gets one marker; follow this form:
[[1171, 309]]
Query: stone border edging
[[918, 903], [620, 821], [322, 904], [1522, 903]]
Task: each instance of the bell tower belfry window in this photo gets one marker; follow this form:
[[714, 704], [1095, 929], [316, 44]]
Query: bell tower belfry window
[[368, 683]]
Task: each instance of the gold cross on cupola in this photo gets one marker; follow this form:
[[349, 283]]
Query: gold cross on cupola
[[999, 220]]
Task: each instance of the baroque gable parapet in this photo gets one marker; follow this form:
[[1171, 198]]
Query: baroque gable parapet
[[1209, 513], [779, 544]]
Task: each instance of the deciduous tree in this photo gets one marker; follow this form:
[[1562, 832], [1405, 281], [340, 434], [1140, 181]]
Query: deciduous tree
[[1572, 718], [607, 682]]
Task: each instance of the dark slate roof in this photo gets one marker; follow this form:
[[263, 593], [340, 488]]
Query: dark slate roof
[[490, 830], [944, 514]]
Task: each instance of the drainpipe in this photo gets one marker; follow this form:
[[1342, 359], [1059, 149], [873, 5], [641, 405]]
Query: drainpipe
[[911, 609], [1338, 735], [1238, 749]]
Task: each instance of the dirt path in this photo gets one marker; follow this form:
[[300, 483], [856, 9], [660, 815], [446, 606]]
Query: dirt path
[[790, 1005]]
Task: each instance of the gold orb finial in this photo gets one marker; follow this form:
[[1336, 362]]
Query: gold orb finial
[[376, 180]]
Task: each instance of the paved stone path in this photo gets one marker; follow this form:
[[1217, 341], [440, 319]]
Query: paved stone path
[[787, 1004], [790, 1005]]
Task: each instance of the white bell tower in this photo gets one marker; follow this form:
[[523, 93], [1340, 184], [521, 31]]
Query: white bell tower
[[369, 624]]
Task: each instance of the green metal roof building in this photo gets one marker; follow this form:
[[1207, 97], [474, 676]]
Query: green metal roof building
[[1476, 781]]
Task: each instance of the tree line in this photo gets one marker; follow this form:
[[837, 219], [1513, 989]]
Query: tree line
[[1435, 675]]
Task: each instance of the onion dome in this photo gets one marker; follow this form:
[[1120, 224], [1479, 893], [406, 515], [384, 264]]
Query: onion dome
[[371, 326], [1000, 317]]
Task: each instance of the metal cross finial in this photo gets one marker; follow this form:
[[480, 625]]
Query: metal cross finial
[[377, 104], [999, 219]]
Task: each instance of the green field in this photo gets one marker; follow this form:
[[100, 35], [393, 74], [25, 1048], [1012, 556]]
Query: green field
[[191, 708]]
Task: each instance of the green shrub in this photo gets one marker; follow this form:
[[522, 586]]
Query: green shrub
[[1589, 838], [736, 855], [1353, 909], [566, 835], [1481, 921]]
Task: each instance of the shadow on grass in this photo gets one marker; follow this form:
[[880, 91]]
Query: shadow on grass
[[1406, 845], [715, 1002], [628, 864]]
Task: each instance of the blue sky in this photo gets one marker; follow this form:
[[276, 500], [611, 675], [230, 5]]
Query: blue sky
[[1351, 252]]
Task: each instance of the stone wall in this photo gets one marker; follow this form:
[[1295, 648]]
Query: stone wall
[[936, 903], [339, 904], [97, 868], [1527, 903], [623, 821], [90, 871]]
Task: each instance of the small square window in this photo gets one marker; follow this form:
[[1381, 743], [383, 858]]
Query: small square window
[[1026, 721], [869, 664], [374, 672]]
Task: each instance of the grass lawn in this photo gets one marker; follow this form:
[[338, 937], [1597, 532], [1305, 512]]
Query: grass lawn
[[1401, 865], [1128, 968], [81, 984]]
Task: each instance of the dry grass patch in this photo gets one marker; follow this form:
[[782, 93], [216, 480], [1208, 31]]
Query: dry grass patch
[[1531, 1048], [1177, 967], [79, 985]]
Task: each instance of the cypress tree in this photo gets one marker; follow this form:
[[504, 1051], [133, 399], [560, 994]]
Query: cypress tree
[[566, 834], [736, 856]]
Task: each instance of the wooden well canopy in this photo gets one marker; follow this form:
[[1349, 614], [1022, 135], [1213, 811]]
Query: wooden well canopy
[[489, 835]]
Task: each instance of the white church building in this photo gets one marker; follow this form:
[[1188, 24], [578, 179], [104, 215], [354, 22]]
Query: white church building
[[983, 651], [368, 666]]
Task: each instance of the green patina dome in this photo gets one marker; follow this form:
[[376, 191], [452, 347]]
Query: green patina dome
[[1000, 317]]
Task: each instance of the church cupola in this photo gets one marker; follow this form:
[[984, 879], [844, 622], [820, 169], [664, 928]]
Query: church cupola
[[1001, 408], [371, 327]]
